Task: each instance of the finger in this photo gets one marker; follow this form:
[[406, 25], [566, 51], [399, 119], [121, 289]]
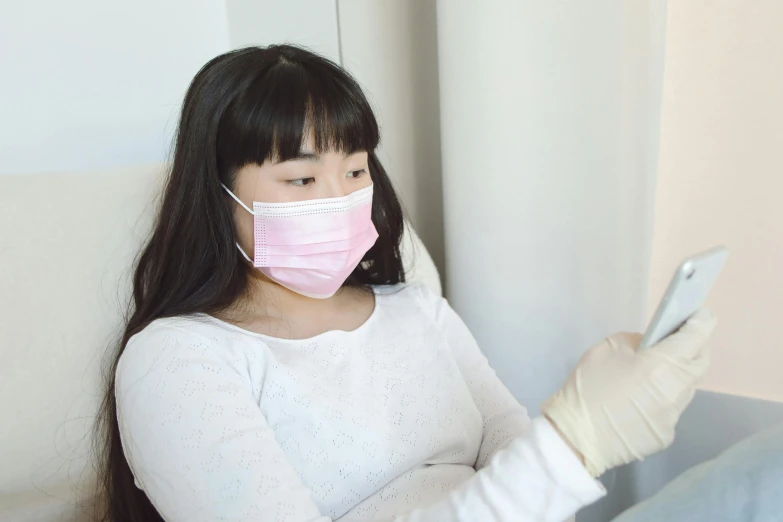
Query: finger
[[625, 341], [690, 340]]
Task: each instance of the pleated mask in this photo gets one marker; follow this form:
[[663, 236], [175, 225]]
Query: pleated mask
[[311, 246]]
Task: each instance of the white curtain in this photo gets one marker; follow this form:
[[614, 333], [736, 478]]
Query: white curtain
[[549, 132]]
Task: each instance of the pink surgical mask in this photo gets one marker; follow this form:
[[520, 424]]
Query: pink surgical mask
[[311, 246]]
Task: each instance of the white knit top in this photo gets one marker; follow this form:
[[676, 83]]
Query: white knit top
[[388, 421]]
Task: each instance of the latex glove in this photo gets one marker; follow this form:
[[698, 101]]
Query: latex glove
[[620, 404]]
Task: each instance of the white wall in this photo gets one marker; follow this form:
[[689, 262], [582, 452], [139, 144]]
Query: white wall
[[90, 84], [391, 48], [312, 23], [721, 179]]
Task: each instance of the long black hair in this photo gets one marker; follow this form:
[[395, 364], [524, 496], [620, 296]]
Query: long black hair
[[242, 108]]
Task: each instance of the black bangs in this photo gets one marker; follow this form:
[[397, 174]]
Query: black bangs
[[280, 105]]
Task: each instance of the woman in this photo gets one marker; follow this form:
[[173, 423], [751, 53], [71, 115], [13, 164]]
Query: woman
[[275, 365]]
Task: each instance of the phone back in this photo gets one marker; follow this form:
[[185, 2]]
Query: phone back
[[686, 293]]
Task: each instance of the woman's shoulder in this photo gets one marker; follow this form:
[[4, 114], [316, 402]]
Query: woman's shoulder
[[414, 295], [407, 290], [177, 342], [193, 328]]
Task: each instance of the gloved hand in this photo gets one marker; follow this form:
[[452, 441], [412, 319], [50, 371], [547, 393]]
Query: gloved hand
[[620, 404]]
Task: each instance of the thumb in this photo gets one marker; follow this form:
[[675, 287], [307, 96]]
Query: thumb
[[690, 339]]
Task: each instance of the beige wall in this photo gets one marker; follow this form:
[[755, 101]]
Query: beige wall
[[721, 178]]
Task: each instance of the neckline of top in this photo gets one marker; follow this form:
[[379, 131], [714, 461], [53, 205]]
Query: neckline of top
[[366, 324]]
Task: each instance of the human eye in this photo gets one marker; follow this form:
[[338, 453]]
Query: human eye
[[301, 182], [356, 174]]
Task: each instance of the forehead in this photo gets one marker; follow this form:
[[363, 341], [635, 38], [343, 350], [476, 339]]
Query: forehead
[[307, 147]]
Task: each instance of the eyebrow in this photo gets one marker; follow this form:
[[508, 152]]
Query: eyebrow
[[310, 156]]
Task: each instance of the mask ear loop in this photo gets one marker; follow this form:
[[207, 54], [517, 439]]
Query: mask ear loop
[[246, 208], [237, 199]]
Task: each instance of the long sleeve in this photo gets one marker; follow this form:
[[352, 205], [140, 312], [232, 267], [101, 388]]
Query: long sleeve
[[504, 418], [526, 472], [195, 438], [535, 478]]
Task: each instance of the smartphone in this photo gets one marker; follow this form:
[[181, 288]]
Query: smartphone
[[686, 293]]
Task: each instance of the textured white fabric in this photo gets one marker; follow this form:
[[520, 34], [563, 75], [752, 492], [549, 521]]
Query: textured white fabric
[[390, 420]]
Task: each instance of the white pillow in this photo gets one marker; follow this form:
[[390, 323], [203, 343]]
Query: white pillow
[[743, 484]]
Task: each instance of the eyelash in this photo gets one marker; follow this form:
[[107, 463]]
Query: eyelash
[[296, 182]]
